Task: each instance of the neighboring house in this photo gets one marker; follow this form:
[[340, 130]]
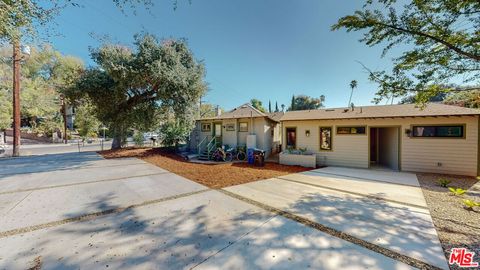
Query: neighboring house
[[233, 127], [440, 138]]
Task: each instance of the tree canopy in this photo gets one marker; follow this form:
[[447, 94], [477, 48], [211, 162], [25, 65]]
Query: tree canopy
[[303, 102], [133, 88], [469, 99], [208, 110], [442, 39], [20, 19], [45, 72], [257, 104]]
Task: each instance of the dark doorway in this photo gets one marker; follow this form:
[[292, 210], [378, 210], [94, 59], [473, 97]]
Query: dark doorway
[[291, 138], [385, 147]]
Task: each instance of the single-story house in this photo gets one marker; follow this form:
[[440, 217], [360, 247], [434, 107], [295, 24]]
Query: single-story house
[[438, 138], [235, 127]]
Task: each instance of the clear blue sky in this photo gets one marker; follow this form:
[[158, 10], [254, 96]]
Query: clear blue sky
[[252, 49]]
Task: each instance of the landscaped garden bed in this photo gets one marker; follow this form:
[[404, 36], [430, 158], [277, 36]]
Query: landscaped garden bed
[[211, 175], [456, 226]]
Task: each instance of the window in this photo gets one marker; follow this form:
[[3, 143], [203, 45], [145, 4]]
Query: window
[[438, 131], [291, 138], [230, 127], [243, 127], [325, 138], [351, 130], [206, 127]]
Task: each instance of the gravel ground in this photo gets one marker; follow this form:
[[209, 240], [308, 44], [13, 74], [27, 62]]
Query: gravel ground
[[456, 226], [211, 175]]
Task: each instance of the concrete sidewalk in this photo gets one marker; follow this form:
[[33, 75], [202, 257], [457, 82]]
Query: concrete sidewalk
[[81, 211]]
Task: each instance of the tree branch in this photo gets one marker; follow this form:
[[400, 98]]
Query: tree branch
[[436, 39]]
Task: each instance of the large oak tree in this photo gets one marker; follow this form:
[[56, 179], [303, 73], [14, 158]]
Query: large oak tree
[[130, 87]]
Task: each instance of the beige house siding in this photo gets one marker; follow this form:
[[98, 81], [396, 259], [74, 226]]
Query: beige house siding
[[455, 155], [259, 126], [229, 137], [242, 136]]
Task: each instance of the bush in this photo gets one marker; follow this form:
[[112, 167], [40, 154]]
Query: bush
[[48, 126], [172, 133], [138, 139]]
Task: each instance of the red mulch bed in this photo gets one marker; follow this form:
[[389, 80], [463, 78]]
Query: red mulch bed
[[211, 175]]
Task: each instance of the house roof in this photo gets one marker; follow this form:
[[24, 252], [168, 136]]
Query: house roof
[[276, 116], [243, 111], [383, 111]]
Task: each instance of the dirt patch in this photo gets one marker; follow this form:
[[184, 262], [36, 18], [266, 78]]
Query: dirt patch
[[211, 175], [456, 226]]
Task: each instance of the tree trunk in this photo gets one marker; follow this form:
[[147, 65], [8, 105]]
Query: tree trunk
[[118, 137], [117, 142]]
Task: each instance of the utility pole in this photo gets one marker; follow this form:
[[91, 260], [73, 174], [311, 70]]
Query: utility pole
[[64, 112], [16, 98]]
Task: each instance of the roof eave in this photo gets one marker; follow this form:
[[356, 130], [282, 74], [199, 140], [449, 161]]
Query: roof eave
[[379, 117]]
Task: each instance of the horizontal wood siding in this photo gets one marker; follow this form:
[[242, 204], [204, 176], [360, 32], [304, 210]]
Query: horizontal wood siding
[[457, 156]]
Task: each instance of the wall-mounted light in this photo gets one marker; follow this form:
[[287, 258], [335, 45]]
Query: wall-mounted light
[[307, 133], [408, 131]]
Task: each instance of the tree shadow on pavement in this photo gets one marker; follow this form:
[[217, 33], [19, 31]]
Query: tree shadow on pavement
[[213, 232], [46, 163]]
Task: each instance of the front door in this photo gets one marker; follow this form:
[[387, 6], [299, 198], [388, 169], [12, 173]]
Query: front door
[[217, 132]]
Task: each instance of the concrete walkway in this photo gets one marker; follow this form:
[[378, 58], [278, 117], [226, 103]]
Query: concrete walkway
[[71, 211]]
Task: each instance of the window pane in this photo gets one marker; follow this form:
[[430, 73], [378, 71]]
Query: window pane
[[243, 127], [358, 130], [343, 130], [456, 131], [351, 130], [438, 131], [424, 131], [205, 127], [325, 138], [230, 127]]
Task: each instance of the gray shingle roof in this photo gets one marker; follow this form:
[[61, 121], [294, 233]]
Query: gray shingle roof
[[243, 111], [383, 111]]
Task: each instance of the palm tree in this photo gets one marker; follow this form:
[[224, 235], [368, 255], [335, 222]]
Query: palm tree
[[353, 84]]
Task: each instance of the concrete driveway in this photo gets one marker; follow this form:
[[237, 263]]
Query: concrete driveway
[[79, 211], [383, 208]]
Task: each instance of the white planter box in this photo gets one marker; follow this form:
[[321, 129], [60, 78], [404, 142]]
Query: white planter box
[[309, 161]]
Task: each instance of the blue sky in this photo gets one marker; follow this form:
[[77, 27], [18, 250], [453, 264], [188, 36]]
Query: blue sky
[[267, 49]]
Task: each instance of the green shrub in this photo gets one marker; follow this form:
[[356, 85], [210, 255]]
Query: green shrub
[[172, 133], [469, 204], [457, 191], [138, 139], [443, 182]]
